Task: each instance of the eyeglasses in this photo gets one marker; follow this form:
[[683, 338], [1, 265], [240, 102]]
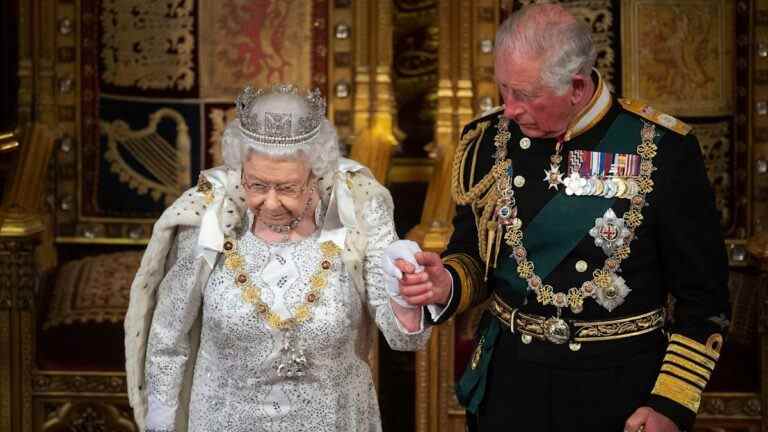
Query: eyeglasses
[[288, 190]]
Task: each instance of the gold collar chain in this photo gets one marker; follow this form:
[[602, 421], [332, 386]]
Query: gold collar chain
[[252, 294], [604, 283]]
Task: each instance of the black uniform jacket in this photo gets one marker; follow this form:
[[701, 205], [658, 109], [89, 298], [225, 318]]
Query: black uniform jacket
[[678, 248]]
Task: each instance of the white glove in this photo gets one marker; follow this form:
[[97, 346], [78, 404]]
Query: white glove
[[399, 249]]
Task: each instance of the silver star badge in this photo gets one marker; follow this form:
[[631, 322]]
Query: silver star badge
[[613, 295], [609, 232]]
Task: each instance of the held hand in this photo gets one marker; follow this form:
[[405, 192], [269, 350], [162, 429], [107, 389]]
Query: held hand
[[432, 285], [645, 419]]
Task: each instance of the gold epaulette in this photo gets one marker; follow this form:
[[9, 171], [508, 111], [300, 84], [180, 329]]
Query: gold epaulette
[[686, 369], [647, 112], [487, 113]]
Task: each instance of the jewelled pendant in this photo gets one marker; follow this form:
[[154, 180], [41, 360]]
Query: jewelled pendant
[[293, 362]]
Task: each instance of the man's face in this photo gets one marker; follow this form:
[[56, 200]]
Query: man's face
[[536, 108]]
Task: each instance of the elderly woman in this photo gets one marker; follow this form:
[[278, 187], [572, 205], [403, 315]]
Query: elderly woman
[[252, 305]]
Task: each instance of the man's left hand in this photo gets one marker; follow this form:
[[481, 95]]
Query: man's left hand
[[646, 419]]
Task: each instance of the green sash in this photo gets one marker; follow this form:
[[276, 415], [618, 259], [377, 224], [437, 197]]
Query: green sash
[[549, 238], [471, 387]]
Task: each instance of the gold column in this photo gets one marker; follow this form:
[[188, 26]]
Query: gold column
[[757, 124], [374, 100], [462, 74], [17, 283], [5, 358], [21, 213], [465, 83]]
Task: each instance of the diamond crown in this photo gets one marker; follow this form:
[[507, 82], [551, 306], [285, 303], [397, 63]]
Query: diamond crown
[[281, 115]]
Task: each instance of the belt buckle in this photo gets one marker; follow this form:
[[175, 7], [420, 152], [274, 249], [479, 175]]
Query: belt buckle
[[556, 330]]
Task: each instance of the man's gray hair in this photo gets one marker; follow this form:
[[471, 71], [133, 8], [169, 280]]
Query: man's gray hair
[[549, 32]]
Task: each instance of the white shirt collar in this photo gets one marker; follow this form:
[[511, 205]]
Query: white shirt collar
[[595, 110]]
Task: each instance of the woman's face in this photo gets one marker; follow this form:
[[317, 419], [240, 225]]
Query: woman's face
[[277, 189]]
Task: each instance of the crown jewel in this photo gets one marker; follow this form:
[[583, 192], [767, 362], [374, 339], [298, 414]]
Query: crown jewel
[[288, 117]]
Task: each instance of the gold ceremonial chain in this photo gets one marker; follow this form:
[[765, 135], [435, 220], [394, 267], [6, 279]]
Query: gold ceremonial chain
[[292, 361], [252, 294]]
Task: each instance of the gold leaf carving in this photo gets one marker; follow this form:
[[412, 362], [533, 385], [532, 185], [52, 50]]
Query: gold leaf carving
[[715, 142], [219, 119]]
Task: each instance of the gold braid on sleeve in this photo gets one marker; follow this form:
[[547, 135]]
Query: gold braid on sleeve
[[470, 277], [686, 369]]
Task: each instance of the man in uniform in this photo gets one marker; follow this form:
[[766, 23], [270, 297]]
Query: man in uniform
[[577, 215]]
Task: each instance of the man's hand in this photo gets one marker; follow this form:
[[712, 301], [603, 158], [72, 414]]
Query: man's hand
[[430, 286], [650, 421]]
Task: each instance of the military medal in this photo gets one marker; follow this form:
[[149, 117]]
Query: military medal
[[553, 176], [575, 184], [607, 175], [610, 189], [621, 185]]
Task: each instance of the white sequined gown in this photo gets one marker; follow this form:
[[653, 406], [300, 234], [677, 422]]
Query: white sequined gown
[[235, 385]]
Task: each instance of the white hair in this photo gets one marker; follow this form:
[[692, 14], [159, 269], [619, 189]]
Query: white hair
[[551, 33], [321, 152]]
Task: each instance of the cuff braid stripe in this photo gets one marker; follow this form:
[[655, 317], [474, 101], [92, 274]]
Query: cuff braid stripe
[[687, 364], [682, 373], [470, 278], [679, 391], [691, 355], [694, 345]]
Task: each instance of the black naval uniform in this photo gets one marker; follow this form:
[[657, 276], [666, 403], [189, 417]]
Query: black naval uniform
[[595, 385]]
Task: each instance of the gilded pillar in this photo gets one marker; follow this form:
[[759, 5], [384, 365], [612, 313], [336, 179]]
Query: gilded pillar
[[465, 87], [21, 212], [374, 107]]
